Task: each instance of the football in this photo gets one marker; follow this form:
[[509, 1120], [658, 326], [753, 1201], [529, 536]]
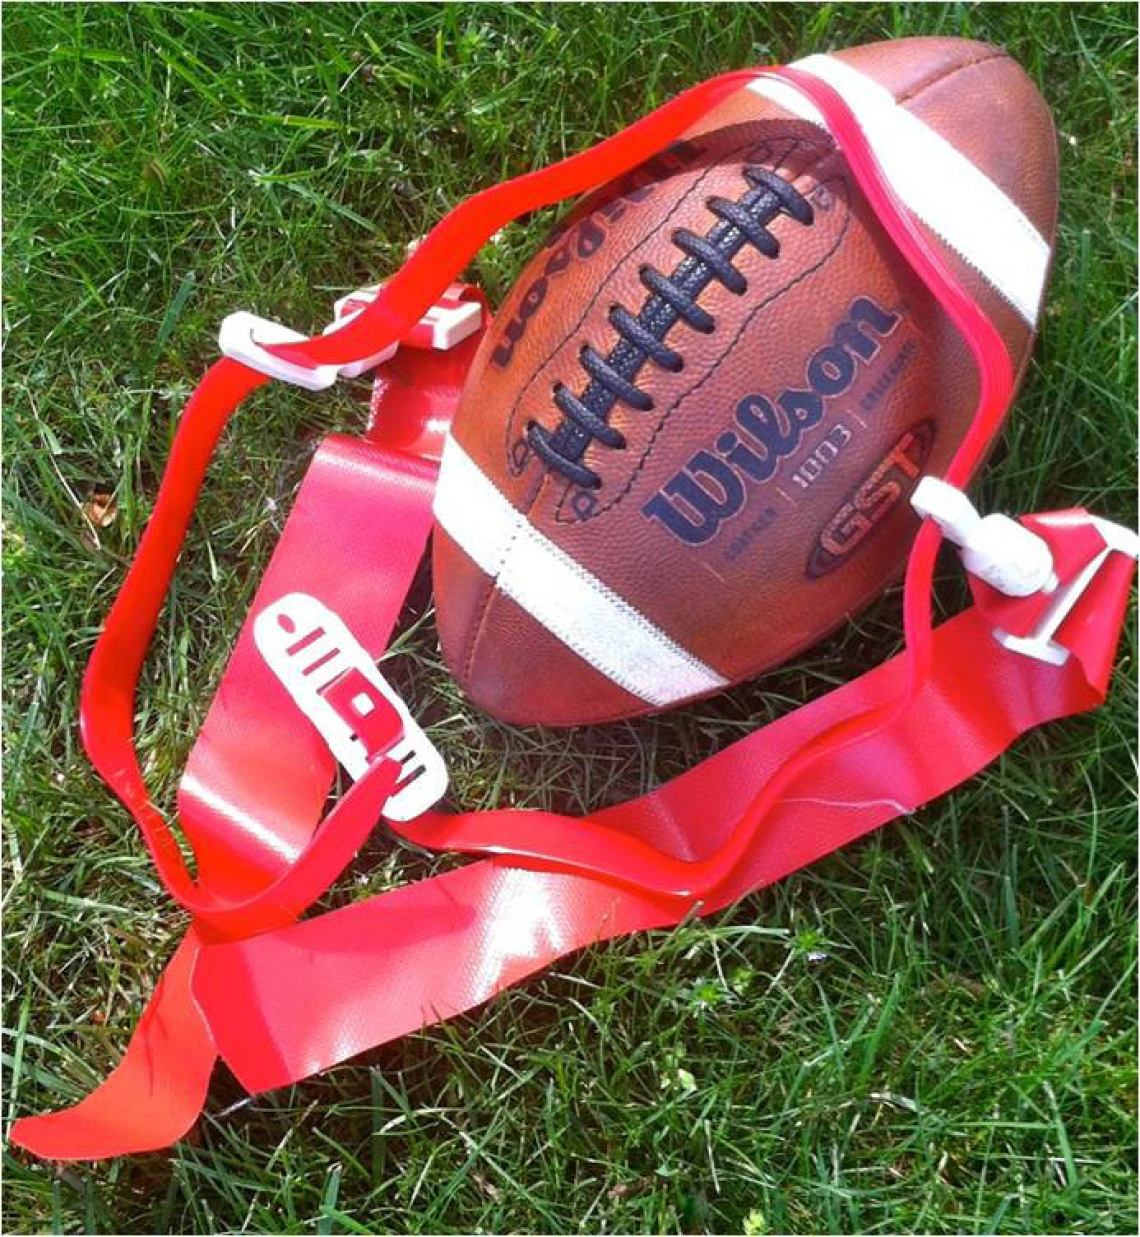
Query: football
[[686, 445]]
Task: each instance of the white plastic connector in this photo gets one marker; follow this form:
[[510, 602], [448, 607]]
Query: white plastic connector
[[1004, 553], [452, 324], [443, 326], [242, 336], [355, 368], [1041, 643], [336, 685]]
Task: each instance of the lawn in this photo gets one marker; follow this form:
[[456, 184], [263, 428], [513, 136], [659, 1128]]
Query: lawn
[[934, 1030]]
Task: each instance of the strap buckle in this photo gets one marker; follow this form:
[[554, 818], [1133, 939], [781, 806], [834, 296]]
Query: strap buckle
[[243, 336], [1041, 642], [336, 685], [454, 317], [1004, 553], [1019, 562]]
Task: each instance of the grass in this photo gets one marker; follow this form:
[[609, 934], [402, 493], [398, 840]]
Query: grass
[[934, 1030]]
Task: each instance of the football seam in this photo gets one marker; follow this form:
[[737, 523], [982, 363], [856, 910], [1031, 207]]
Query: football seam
[[571, 331], [651, 446], [913, 93], [1049, 233]]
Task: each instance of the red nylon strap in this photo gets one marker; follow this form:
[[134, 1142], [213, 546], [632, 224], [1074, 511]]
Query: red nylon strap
[[107, 706], [281, 1000], [256, 782], [444, 945], [451, 244], [285, 1004], [112, 675]]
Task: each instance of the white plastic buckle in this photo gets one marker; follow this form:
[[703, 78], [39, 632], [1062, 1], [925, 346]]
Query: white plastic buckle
[[344, 310], [337, 686], [242, 337], [1004, 553], [1041, 642], [1017, 562], [444, 325], [448, 322]]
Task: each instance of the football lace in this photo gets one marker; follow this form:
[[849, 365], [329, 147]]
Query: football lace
[[671, 299]]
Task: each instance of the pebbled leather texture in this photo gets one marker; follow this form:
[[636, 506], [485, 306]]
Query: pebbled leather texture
[[821, 537]]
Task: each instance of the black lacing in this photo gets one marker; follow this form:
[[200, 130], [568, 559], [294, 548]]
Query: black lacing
[[672, 299]]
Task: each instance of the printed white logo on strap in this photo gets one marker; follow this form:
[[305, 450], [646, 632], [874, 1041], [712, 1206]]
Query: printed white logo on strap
[[337, 686]]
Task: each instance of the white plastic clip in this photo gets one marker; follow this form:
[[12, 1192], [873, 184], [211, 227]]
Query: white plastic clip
[[448, 325], [337, 686], [995, 548], [344, 310], [1041, 643], [448, 322], [242, 336]]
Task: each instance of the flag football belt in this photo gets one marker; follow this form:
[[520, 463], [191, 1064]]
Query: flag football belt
[[278, 997]]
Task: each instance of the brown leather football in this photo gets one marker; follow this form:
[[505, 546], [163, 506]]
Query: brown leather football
[[686, 445]]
